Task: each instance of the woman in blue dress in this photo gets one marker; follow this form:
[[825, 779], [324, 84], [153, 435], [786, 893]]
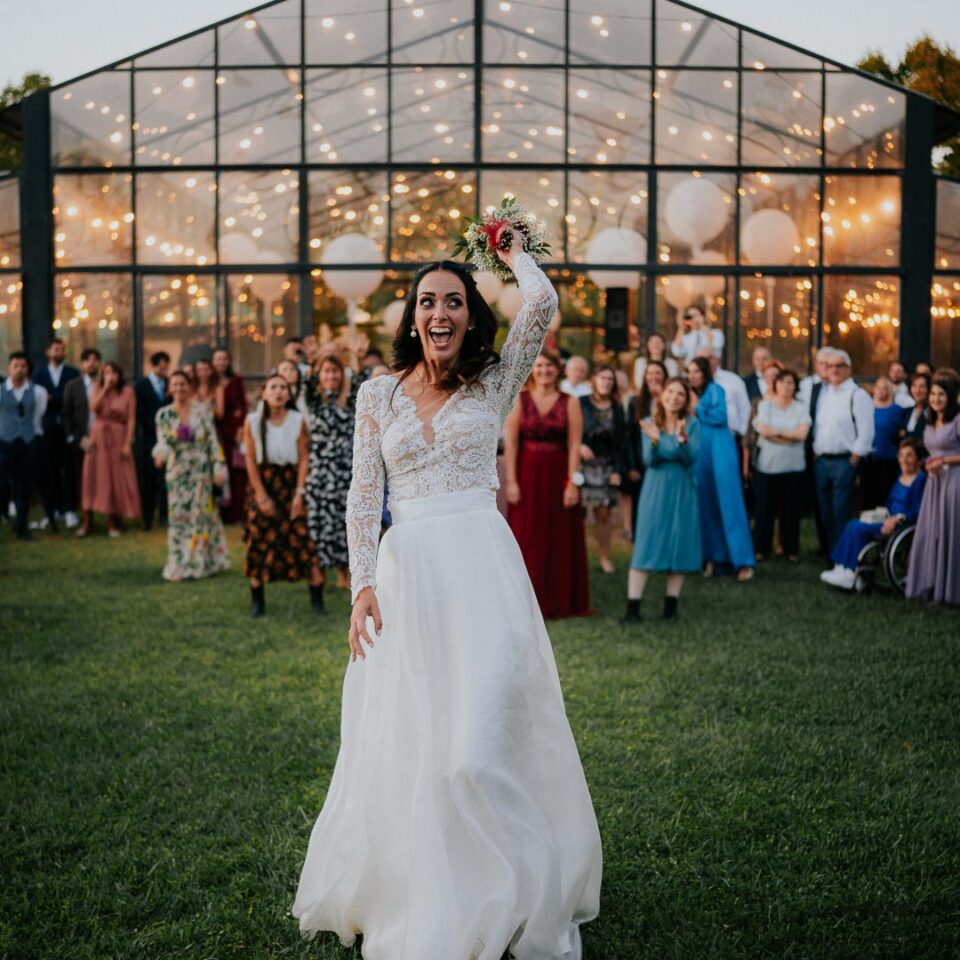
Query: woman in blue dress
[[668, 524], [724, 527]]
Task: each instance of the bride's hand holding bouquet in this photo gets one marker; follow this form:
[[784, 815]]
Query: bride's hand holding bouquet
[[491, 242]]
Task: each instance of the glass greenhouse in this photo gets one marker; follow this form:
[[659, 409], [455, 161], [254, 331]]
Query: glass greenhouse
[[291, 167]]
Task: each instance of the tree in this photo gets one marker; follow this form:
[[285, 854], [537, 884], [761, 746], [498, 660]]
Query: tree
[[931, 70], [11, 147]]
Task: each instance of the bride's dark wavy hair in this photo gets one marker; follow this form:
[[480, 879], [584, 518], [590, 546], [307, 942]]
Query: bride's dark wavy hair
[[476, 353]]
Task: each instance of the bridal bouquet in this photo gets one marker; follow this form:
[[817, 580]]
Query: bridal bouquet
[[485, 235]]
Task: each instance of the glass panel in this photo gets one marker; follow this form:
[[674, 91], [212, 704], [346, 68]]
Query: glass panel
[[259, 116], [9, 222], [713, 294], [780, 215], [193, 52], [262, 313], [540, 191], [617, 34], [175, 214], [696, 117], [179, 312], [432, 115], [345, 201], [864, 122], [259, 217], [174, 117], [11, 315], [94, 310], [862, 316], [330, 311], [437, 32], [686, 38], [270, 36], [609, 116], [598, 201], [349, 35], [948, 225], [945, 325], [760, 52], [347, 115], [90, 121], [427, 212], [516, 102], [696, 218], [523, 32], [779, 313], [781, 119], [861, 221], [92, 217]]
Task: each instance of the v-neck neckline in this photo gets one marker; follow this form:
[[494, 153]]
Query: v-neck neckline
[[543, 414], [428, 432]]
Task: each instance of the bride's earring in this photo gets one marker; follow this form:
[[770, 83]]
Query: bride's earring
[[413, 332]]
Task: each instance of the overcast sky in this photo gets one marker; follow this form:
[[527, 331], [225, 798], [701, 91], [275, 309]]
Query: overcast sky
[[64, 38]]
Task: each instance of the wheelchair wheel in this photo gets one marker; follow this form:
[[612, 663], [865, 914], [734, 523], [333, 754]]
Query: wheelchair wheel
[[896, 558], [869, 566]]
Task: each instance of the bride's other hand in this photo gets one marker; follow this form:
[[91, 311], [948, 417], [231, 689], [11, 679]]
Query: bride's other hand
[[509, 257], [364, 606]]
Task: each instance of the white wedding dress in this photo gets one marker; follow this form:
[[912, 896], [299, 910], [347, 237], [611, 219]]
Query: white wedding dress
[[458, 823]]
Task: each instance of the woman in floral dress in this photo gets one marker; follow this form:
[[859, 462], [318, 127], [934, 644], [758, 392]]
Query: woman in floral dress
[[188, 448]]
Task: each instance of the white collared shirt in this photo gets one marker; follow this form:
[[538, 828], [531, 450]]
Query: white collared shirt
[[738, 402], [902, 398], [695, 340], [40, 403], [806, 385], [159, 387], [55, 374], [582, 389], [88, 386], [836, 430]]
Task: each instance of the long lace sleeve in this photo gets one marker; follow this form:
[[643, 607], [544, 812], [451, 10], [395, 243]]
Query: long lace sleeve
[[365, 499], [526, 336]]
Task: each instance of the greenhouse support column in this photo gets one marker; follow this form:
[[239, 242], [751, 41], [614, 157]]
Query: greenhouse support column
[[917, 236], [36, 220]]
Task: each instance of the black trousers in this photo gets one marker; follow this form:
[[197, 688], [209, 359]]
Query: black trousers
[[778, 494], [153, 489], [18, 467], [57, 480]]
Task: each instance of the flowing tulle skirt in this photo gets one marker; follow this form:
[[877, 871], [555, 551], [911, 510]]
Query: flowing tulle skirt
[[458, 822]]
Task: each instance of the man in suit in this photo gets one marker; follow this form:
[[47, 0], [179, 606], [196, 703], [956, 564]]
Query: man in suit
[[77, 417], [756, 385], [57, 486], [151, 393]]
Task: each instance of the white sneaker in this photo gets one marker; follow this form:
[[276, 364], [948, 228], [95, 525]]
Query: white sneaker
[[12, 511], [840, 577], [71, 520]]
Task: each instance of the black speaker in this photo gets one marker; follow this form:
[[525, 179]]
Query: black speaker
[[616, 319]]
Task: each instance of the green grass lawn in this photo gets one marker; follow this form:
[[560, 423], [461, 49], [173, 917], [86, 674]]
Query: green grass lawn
[[776, 775]]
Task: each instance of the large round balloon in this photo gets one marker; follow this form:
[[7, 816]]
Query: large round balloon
[[769, 237], [393, 315], [510, 301], [489, 285], [679, 292], [238, 248], [697, 211], [352, 248], [269, 286], [617, 245], [709, 286]]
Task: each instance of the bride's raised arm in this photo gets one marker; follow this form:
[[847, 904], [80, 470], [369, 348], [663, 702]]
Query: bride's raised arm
[[527, 334]]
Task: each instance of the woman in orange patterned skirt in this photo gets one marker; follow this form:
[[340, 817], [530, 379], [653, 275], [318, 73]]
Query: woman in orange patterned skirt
[[278, 544]]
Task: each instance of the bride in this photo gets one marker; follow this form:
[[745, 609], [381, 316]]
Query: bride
[[458, 824]]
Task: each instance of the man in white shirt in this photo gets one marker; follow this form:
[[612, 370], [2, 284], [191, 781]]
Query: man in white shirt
[[842, 437], [577, 381], [735, 391], [897, 375], [756, 385], [22, 407], [693, 334]]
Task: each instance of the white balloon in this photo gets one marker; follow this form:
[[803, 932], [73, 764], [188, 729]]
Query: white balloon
[[679, 292], [269, 286], [769, 237], [696, 211], [510, 301], [238, 248], [393, 315], [352, 248], [489, 285], [709, 286], [617, 245]]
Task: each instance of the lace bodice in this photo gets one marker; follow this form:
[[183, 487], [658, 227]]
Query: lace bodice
[[390, 444]]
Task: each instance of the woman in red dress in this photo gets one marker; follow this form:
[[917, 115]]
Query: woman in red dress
[[230, 433], [541, 444]]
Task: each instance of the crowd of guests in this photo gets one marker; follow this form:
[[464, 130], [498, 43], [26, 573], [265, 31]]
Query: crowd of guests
[[709, 472]]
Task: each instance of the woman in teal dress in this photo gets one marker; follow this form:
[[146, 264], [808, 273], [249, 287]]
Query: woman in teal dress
[[668, 516], [724, 527]]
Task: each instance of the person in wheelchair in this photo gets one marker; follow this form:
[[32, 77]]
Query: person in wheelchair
[[903, 507]]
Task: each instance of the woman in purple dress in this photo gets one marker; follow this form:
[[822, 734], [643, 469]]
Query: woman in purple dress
[[934, 572]]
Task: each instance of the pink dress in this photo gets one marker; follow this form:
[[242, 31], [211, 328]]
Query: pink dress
[[109, 478]]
